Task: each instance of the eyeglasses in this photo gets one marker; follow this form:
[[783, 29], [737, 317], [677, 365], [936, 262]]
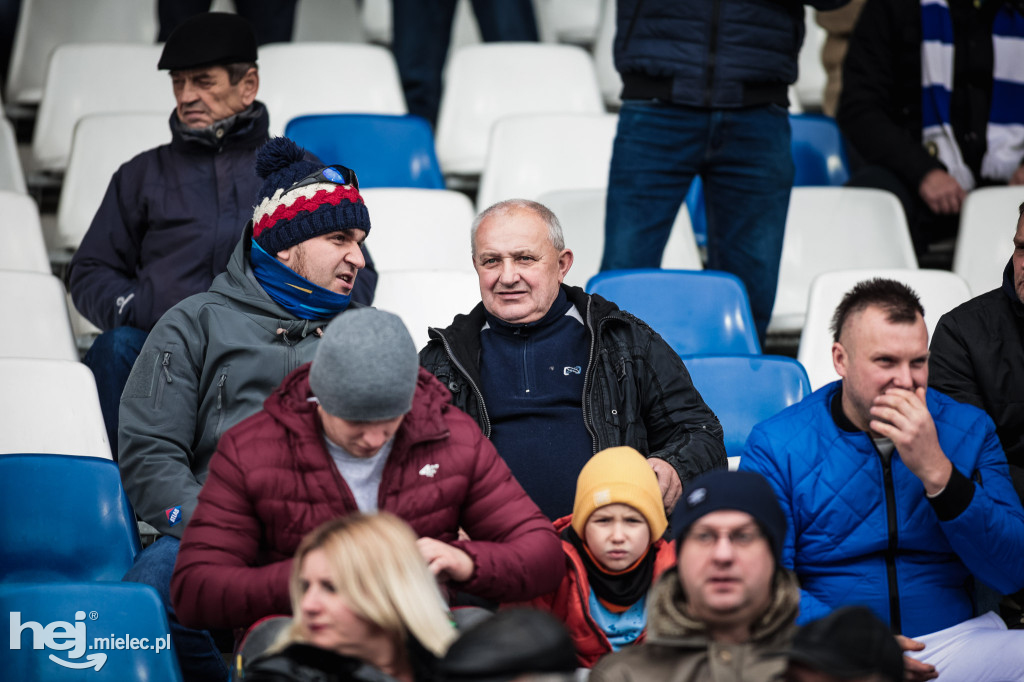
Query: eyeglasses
[[337, 175], [742, 537]]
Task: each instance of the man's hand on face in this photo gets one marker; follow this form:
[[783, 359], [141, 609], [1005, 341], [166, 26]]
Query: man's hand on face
[[445, 561], [902, 416], [913, 669], [941, 192], [668, 481]]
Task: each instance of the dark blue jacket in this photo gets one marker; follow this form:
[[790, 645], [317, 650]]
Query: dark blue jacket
[[710, 53], [863, 532], [168, 224]]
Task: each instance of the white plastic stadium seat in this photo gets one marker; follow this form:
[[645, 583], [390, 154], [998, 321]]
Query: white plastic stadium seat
[[413, 227], [536, 153], [51, 407], [12, 177], [22, 236], [43, 25], [836, 228], [984, 244], [36, 302], [939, 290], [292, 81], [426, 298], [489, 81], [604, 58], [581, 214], [101, 143], [130, 82], [810, 84]]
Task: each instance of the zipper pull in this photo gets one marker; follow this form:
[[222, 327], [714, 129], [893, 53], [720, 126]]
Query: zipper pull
[[166, 364]]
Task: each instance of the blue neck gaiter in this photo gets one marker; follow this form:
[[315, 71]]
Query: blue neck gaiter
[[291, 291]]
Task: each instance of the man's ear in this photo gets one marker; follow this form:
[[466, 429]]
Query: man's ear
[[250, 86], [839, 358], [564, 263]]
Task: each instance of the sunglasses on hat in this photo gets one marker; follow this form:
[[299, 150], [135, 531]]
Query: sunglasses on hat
[[336, 174]]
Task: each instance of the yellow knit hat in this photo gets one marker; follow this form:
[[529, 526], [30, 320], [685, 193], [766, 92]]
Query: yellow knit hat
[[619, 475]]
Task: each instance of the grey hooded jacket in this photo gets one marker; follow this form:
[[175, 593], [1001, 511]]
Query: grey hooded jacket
[[208, 364]]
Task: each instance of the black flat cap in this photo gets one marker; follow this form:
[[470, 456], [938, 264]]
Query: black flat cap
[[209, 39]]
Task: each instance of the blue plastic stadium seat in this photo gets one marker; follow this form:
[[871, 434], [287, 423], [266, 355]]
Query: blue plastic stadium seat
[[384, 150], [744, 390], [100, 632], [694, 311], [65, 518]]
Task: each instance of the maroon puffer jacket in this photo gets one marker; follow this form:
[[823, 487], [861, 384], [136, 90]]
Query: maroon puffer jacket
[[272, 481]]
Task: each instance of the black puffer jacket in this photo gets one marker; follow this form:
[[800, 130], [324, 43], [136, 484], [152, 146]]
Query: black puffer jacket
[[710, 53], [977, 357], [308, 663], [637, 390]]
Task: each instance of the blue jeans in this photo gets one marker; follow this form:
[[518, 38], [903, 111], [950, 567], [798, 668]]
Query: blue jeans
[[743, 157], [111, 358], [422, 31], [198, 655]]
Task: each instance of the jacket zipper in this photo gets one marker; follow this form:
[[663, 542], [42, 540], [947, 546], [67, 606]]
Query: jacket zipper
[[476, 391], [712, 47], [220, 401], [890, 552], [587, 416], [165, 368]]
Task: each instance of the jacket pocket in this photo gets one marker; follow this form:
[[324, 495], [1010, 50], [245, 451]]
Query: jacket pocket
[[163, 377], [222, 400]]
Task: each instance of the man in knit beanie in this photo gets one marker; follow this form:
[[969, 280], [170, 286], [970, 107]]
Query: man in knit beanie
[[614, 551], [361, 428], [212, 359], [729, 607]]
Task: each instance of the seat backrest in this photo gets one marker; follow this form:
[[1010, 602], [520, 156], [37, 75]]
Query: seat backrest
[[939, 290], [292, 82], [55, 406], [119, 630], [988, 222], [818, 152], [414, 228], [744, 390], [22, 236], [581, 214], [426, 298], [836, 228], [608, 77], [44, 25], [486, 82], [69, 519], [74, 90], [12, 176], [101, 143], [695, 312], [531, 154], [36, 302], [810, 84], [385, 150]]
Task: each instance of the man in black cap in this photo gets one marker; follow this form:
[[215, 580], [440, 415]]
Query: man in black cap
[[729, 607], [172, 215], [849, 645]]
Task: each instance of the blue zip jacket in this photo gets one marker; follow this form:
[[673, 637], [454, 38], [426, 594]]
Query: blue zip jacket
[[710, 53], [863, 532]]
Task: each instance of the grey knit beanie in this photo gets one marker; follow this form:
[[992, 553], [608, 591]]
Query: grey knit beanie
[[365, 366]]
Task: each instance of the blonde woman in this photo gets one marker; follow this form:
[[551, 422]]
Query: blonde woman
[[361, 596]]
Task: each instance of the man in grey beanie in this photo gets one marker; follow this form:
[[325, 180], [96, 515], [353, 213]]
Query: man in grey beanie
[[360, 428]]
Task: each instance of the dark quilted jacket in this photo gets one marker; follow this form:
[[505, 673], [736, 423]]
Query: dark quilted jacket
[[861, 532], [272, 481]]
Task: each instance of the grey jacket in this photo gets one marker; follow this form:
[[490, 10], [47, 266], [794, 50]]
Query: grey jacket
[[678, 647], [208, 364]]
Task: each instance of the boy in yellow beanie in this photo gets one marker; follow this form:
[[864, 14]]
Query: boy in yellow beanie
[[613, 553]]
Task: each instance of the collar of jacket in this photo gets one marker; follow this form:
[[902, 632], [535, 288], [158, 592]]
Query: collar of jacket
[[1011, 291], [246, 130], [668, 624]]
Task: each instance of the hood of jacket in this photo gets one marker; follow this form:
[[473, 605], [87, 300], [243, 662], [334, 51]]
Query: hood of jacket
[[668, 623], [293, 406]]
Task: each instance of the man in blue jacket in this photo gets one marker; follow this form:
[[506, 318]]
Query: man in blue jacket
[[705, 93], [898, 496]]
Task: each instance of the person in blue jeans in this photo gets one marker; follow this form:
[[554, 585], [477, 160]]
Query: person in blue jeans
[[705, 93]]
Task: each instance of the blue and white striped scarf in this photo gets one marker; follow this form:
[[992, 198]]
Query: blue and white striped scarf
[[1005, 131]]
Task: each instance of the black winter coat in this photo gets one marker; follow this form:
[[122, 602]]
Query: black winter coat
[[637, 391]]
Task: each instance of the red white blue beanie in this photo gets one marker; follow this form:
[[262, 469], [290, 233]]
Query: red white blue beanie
[[285, 218]]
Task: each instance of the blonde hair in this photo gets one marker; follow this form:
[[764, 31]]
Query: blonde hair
[[375, 563]]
